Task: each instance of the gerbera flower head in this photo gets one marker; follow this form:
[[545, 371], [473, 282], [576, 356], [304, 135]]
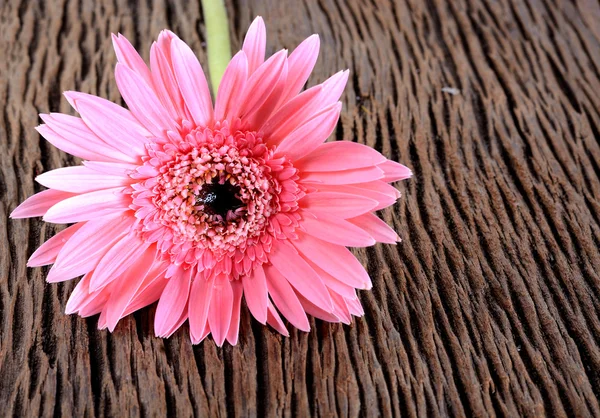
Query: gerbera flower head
[[199, 206]]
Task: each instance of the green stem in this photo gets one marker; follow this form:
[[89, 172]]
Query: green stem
[[217, 40]]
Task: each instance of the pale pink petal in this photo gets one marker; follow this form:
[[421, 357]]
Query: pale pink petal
[[334, 259], [80, 179], [112, 169], [341, 309], [78, 296], [176, 324], [358, 175], [200, 296], [377, 190], [315, 311], [339, 156], [203, 335], [300, 275], [150, 290], [118, 259], [310, 135], [256, 118], [142, 102], [127, 285], [355, 307], [89, 206], [192, 82], [301, 64], [73, 136], [335, 230], [39, 203], [93, 240], [165, 83], [116, 131], [285, 299], [127, 55], [331, 282], [375, 227], [261, 84], [256, 294], [220, 309], [343, 205], [293, 114], [234, 326], [48, 251], [333, 87], [394, 171], [61, 274], [234, 79], [172, 302], [275, 321], [106, 106], [255, 44]]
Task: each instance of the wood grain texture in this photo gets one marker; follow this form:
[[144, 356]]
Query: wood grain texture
[[491, 304]]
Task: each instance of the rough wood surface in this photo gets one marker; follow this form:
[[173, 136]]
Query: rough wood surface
[[490, 306]]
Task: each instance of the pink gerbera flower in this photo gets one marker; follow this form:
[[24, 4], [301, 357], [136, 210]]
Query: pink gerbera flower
[[196, 206]]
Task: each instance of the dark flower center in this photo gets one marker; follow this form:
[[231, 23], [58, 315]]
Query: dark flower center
[[219, 199]]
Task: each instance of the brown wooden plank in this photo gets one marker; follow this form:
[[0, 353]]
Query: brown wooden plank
[[491, 304]]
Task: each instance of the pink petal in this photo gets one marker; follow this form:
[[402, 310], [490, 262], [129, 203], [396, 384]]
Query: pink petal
[[176, 324], [315, 311], [127, 55], [261, 84], [256, 294], [255, 44], [78, 295], [333, 283], [76, 97], [286, 300], [150, 290], [48, 251], [200, 296], [80, 179], [358, 175], [142, 102], [300, 275], [339, 156], [112, 169], [341, 310], [165, 83], [39, 203], [342, 205], [234, 326], [122, 255], [89, 206], [93, 239], [219, 314], [172, 302], [275, 321], [126, 286], [375, 227], [335, 230], [333, 87], [233, 81], [116, 131], [310, 135], [192, 82], [334, 259], [73, 136], [394, 171], [291, 115], [355, 307], [377, 190], [258, 116], [301, 63]]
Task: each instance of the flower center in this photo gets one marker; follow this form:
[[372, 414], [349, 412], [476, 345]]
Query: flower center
[[215, 198], [219, 199]]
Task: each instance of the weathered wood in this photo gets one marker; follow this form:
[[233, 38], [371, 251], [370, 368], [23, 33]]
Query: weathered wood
[[491, 304]]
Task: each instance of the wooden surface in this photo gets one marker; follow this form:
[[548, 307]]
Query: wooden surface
[[491, 304]]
